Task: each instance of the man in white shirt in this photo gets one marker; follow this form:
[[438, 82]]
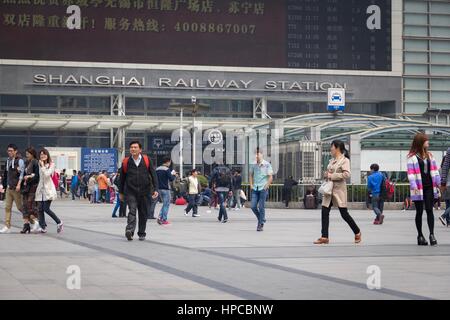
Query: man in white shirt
[[194, 189]]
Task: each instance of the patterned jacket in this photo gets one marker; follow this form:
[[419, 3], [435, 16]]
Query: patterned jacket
[[415, 178]]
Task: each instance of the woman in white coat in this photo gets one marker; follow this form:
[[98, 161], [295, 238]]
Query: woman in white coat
[[46, 191]]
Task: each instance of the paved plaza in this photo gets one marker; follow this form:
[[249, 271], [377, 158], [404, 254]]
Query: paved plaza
[[200, 258]]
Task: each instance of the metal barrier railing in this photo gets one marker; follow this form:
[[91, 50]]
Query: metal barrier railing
[[355, 192]]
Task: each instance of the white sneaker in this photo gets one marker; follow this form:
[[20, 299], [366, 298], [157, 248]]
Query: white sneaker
[[35, 227], [185, 213], [196, 215], [60, 227], [5, 229]]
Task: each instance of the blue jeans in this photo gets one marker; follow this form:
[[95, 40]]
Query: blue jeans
[[446, 214], [376, 206], [222, 211], [151, 206], [117, 205], [193, 200], [74, 193], [258, 205], [165, 196]]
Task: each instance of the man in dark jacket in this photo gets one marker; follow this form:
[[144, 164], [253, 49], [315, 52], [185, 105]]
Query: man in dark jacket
[[288, 185], [222, 184], [237, 187], [137, 180]]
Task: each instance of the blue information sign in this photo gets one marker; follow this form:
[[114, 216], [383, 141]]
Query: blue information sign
[[336, 99], [98, 159]]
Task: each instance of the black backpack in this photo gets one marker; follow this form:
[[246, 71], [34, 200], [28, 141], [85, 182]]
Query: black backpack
[[222, 176]]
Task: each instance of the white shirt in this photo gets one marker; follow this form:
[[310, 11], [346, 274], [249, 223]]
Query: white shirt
[[136, 162]]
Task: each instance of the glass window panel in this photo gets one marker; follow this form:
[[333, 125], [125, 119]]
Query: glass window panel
[[441, 46], [443, 58], [415, 31], [416, 6], [440, 7], [418, 57], [72, 102], [440, 32], [416, 96], [9, 100], [440, 70], [39, 102], [17, 138], [417, 108], [134, 103], [411, 69], [414, 19], [134, 106], [99, 105], [440, 96], [442, 106], [440, 84], [439, 20], [416, 45], [416, 84]]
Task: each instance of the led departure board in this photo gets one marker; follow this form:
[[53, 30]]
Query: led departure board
[[316, 34]]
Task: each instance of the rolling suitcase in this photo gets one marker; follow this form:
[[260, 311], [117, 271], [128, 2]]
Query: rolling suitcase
[[310, 202]]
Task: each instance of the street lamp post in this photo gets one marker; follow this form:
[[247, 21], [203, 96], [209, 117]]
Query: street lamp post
[[194, 107]]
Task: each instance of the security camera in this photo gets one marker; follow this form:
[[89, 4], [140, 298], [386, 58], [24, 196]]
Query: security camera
[[193, 99]]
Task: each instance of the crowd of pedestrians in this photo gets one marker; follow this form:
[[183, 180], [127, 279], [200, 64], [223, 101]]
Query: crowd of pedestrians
[[33, 183]]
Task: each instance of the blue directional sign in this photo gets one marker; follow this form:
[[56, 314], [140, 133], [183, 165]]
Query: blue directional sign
[[98, 159]]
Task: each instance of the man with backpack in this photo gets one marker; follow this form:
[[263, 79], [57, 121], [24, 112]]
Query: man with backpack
[[377, 189], [221, 181], [137, 180]]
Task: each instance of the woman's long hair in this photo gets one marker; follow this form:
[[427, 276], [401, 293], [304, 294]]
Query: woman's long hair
[[417, 146], [338, 144], [45, 151], [32, 151]]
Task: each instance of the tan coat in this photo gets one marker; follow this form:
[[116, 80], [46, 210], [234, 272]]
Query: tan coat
[[340, 169]]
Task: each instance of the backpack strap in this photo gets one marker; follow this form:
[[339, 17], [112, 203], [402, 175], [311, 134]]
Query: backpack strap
[[125, 164], [146, 160]]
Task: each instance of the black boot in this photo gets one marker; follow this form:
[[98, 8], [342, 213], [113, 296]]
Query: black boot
[[26, 228], [433, 240], [421, 241]]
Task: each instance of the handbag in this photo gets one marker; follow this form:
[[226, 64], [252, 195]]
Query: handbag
[[327, 186]]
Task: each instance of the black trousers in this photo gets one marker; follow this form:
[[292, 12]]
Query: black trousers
[[44, 207], [102, 195], [344, 214], [287, 196], [123, 209], [427, 203], [137, 204]]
